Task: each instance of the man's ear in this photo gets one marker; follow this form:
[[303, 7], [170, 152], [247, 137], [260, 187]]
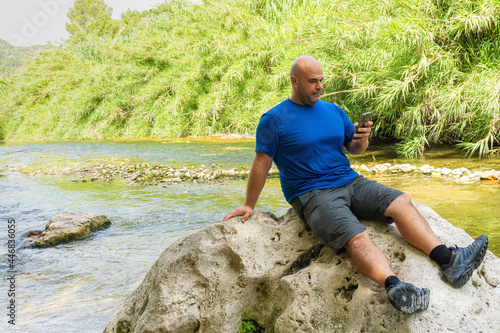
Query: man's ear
[[293, 79]]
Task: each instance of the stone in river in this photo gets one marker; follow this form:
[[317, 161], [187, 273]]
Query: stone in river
[[365, 168], [465, 179], [406, 168], [426, 169], [67, 227], [445, 171], [274, 272], [380, 168], [490, 175]]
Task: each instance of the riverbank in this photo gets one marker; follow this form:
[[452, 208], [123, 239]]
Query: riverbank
[[160, 174]]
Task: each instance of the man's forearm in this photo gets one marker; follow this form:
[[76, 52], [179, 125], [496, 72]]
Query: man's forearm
[[256, 181], [358, 147]]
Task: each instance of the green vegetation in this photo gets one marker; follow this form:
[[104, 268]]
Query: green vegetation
[[1, 123], [13, 57], [249, 325], [427, 69], [246, 327], [91, 16]]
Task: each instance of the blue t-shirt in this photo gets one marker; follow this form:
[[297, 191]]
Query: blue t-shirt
[[306, 143]]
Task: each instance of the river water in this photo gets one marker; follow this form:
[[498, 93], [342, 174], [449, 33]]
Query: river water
[[78, 286]]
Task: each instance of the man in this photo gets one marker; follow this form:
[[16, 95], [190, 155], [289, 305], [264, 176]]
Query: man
[[305, 138]]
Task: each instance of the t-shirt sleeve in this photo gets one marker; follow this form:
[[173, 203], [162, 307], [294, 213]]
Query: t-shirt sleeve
[[348, 127], [267, 137]]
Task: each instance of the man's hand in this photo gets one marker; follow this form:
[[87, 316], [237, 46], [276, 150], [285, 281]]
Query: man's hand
[[362, 134], [256, 180], [244, 210], [359, 141]]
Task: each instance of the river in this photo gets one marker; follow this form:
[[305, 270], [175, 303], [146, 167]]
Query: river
[[78, 286]]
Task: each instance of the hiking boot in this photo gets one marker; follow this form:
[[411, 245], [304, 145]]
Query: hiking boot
[[464, 261], [407, 298]]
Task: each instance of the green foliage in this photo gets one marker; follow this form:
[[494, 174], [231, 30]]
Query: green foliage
[[246, 327], [427, 69], [13, 57], [2, 117], [91, 16], [249, 325]]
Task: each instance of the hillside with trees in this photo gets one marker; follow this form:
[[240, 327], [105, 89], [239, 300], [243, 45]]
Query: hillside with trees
[[427, 69], [13, 57]]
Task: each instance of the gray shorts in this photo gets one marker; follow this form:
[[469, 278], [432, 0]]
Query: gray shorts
[[332, 214]]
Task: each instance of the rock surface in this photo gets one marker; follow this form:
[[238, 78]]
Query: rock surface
[[273, 271], [67, 227]]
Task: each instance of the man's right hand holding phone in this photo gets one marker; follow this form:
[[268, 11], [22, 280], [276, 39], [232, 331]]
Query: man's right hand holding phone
[[362, 128]]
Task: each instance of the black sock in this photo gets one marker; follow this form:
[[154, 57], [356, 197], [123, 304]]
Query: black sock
[[390, 281], [441, 255]]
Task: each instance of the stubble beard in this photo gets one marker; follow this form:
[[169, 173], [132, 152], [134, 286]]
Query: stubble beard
[[310, 98], [314, 97]]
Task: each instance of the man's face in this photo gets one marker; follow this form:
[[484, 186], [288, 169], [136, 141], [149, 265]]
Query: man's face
[[308, 85]]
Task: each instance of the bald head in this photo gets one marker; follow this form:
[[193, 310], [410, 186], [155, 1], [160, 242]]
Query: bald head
[[306, 76], [303, 64]]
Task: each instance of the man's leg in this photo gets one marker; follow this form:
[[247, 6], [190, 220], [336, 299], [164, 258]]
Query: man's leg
[[412, 225], [369, 259], [372, 263], [328, 215], [457, 264]]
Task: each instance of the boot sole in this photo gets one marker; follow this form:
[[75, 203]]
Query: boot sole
[[409, 298]]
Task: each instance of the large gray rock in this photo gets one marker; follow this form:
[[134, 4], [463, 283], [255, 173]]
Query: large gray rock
[[271, 270], [67, 227]]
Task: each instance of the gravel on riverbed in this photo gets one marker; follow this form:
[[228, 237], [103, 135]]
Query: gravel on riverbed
[[156, 174]]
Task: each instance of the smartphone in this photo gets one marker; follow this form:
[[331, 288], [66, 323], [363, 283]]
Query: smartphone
[[365, 117]]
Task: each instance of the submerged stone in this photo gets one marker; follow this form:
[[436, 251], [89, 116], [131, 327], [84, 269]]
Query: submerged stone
[[67, 227]]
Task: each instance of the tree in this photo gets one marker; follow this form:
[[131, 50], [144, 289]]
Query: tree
[[91, 16]]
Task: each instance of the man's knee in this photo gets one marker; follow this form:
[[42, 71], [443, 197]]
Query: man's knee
[[403, 199], [400, 205], [401, 202], [358, 240]]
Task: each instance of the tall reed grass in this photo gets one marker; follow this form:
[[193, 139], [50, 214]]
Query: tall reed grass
[[427, 69]]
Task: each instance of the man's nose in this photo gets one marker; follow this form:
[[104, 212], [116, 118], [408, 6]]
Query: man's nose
[[319, 86]]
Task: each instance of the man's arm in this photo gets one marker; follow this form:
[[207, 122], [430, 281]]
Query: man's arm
[[256, 181], [359, 141]]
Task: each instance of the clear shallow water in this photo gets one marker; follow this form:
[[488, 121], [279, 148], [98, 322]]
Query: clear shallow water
[[78, 286], [176, 152]]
